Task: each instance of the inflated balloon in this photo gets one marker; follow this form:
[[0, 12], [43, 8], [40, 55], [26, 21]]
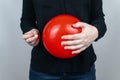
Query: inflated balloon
[[55, 28]]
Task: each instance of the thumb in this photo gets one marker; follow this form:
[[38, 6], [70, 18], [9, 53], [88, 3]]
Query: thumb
[[35, 32], [79, 25]]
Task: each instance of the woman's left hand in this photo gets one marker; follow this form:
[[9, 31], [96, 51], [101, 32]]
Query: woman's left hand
[[80, 41]]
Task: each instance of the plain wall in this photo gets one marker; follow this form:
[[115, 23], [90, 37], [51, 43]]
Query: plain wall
[[15, 53]]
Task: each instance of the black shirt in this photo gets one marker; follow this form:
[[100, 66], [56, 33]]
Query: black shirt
[[36, 13]]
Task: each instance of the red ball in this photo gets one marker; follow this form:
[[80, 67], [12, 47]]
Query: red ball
[[55, 28]]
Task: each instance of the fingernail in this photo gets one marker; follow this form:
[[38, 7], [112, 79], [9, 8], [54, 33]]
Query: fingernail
[[73, 24], [62, 37], [61, 43], [73, 53], [65, 47]]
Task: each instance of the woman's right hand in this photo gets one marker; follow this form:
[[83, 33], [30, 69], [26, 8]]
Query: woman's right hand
[[32, 37]]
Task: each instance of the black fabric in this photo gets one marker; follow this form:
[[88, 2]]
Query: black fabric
[[36, 13]]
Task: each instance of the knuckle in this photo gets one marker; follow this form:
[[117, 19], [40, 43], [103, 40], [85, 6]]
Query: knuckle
[[71, 43], [84, 35], [80, 46], [76, 36], [28, 41], [76, 42], [73, 47], [71, 37], [82, 41], [85, 40]]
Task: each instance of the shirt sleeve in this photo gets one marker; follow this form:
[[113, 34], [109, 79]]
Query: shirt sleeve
[[97, 18], [28, 16]]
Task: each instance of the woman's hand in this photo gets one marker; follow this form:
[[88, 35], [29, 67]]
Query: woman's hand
[[32, 37], [80, 41]]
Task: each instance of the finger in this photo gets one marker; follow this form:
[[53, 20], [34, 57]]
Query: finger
[[79, 24], [26, 36], [35, 32], [37, 41], [32, 39], [74, 36], [34, 43], [70, 37], [78, 51], [75, 47], [72, 42]]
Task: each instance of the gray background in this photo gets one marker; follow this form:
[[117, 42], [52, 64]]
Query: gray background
[[15, 53]]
